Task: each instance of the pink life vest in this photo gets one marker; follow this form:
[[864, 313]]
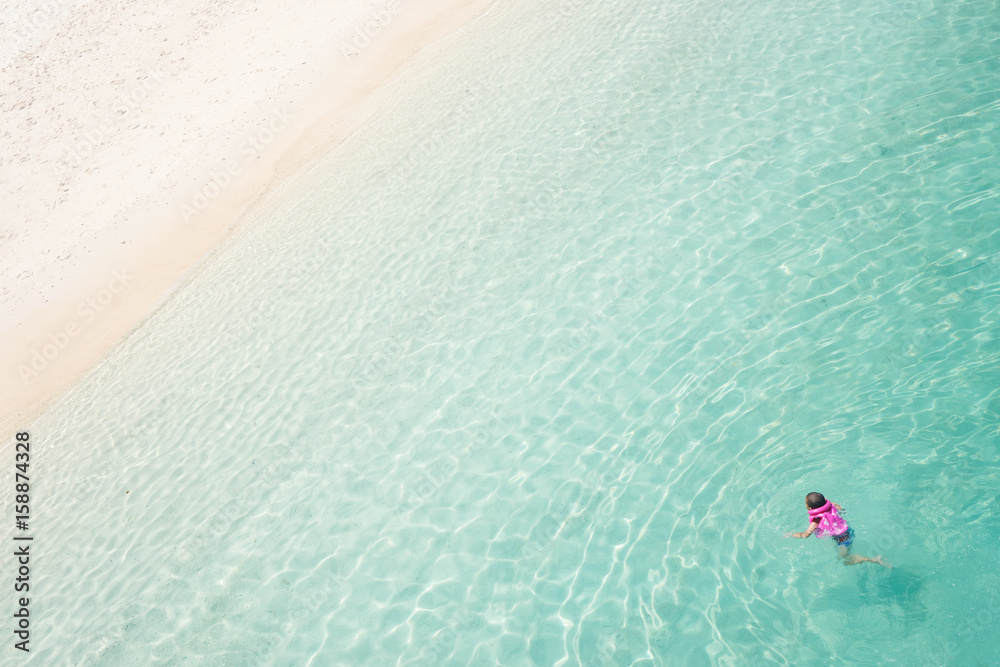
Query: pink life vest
[[830, 523]]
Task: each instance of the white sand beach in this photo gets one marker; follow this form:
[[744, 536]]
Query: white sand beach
[[136, 136]]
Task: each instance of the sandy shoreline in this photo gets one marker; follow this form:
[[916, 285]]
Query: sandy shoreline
[[135, 139]]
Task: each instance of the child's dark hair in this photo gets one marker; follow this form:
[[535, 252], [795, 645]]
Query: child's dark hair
[[814, 500]]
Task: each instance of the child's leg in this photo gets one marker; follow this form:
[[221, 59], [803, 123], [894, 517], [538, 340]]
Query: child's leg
[[854, 559]]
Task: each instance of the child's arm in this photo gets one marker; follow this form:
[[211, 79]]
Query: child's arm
[[809, 531]]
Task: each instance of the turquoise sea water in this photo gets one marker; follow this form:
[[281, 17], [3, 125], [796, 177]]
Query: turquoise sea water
[[538, 366]]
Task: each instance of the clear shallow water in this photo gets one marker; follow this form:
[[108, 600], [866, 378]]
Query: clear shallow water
[[538, 367]]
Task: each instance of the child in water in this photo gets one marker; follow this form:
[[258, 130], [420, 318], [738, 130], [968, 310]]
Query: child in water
[[825, 521]]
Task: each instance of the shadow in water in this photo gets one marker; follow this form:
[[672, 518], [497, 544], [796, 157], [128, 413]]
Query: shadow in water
[[899, 589], [898, 585]]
